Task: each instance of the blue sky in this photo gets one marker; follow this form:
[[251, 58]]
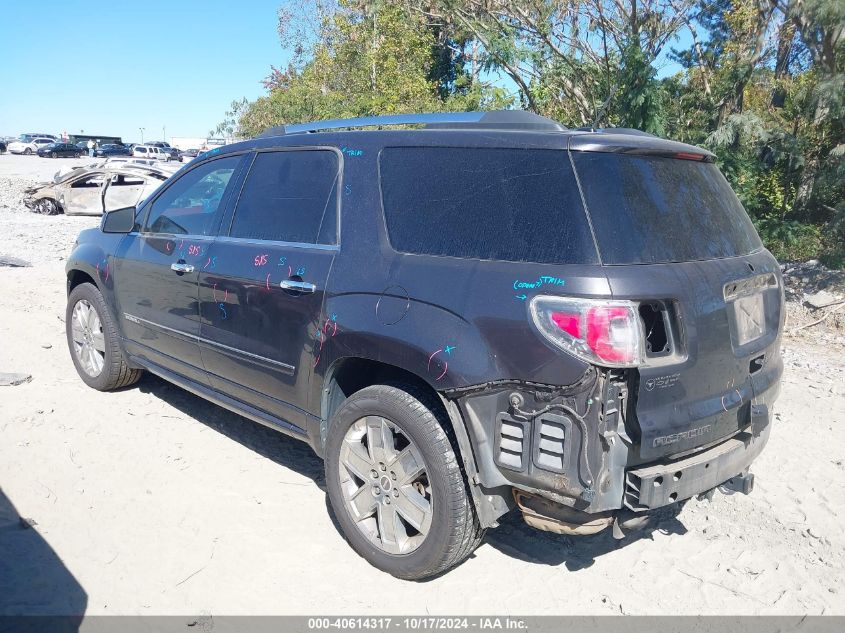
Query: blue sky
[[111, 67]]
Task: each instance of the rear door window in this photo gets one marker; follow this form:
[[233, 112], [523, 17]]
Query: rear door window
[[289, 196], [509, 204], [653, 209]]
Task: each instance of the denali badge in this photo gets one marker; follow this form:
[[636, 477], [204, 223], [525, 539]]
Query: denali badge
[[683, 435]]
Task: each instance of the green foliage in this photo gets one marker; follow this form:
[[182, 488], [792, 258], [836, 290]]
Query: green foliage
[[762, 86]]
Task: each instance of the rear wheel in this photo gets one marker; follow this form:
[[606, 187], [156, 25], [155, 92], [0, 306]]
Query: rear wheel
[[92, 340], [53, 155], [395, 483], [27, 151]]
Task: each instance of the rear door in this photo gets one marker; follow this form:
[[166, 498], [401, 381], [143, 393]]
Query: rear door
[[673, 236], [157, 267], [263, 283]]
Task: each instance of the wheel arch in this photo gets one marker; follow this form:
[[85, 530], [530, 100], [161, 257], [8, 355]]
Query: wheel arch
[[349, 375]]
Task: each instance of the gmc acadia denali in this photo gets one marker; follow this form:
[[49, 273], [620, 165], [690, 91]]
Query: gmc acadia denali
[[462, 314]]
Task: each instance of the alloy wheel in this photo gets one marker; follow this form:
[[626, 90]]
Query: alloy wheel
[[89, 343], [385, 485]]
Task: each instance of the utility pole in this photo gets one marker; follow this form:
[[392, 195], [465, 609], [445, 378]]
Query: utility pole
[[142, 135], [163, 134]]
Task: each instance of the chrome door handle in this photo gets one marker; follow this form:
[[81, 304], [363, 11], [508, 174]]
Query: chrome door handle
[[182, 268], [299, 286]]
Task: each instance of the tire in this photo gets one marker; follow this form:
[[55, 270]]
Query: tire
[[47, 206], [449, 531], [27, 151], [113, 372], [54, 155]]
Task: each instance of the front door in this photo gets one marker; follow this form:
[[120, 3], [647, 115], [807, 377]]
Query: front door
[[156, 268], [263, 284], [84, 196]]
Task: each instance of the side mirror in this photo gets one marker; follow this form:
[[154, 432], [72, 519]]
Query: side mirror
[[119, 221]]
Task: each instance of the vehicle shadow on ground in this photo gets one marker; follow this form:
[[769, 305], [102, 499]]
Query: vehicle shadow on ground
[[515, 538], [33, 579], [267, 442]]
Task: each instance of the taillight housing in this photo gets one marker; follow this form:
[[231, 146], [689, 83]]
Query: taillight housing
[[601, 332]]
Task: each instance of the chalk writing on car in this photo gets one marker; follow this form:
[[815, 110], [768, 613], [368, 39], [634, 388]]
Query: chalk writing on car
[[541, 281], [260, 260]]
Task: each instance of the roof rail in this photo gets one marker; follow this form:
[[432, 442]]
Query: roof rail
[[617, 130], [497, 119]]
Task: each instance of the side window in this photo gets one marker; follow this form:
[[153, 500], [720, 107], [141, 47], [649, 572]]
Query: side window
[[142, 150], [93, 181], [189, 206], [289, 196]]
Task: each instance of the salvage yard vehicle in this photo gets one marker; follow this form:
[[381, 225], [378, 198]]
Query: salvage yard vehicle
[[151, 152], [29, 146], [482, 313], [96, 188], [112, 149], [56, 150]]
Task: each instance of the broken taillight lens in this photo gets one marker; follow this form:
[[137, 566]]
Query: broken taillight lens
[[601, 332]]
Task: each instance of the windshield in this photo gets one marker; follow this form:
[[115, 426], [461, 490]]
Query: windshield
[[652, 209]]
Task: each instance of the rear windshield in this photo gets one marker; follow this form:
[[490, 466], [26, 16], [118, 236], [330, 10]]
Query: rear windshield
[[649, 209], [505, 204]]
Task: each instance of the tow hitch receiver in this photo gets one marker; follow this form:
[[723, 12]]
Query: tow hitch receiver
[[744, 483]]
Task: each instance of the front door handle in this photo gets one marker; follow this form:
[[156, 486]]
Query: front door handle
[[298, 286], [182, 267]]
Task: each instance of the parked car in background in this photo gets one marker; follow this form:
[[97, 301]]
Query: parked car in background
[[93, 189], [150, 151], [56, 150], [2, 146], [112, 149], [589, 335], [166, 147], [29, 146], [26, 137], [188, 154]]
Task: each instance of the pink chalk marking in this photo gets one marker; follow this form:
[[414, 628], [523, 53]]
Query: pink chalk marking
[[207, 263], [107, 271], [214, 290], [267, 282], [226, 296], [316, 360], [445, 364], [181, 243], [290, 271]]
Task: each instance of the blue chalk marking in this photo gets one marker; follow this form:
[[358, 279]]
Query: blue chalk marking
[[352, 152], [448, 349], [541, 281], [283, 261], [223, 314], [347, 189], [300, 271], [334, 317], [522, 297]]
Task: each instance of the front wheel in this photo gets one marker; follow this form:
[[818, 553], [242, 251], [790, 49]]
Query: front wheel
[[27, 151], [92, 340], [395, 483], [54, 155]]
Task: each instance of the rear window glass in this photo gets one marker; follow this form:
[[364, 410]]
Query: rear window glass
[[504, 204], [650, 209]]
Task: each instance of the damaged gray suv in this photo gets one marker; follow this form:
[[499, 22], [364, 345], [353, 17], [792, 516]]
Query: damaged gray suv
[[482, 313]]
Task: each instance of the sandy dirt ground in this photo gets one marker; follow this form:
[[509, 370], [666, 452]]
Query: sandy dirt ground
[[152, 501]]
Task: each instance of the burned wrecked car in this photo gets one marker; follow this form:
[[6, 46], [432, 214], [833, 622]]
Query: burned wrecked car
[[95, 188]]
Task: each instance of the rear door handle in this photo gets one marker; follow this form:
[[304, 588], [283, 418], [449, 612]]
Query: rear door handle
[[298, 286], [181, 267]]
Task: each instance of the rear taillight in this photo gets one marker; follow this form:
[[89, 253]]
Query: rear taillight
[[600, 332]]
